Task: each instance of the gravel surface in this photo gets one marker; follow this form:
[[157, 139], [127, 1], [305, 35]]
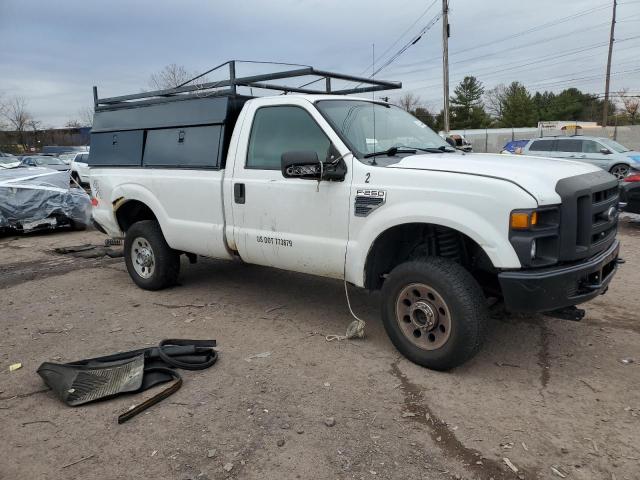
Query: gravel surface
[[545, 397]]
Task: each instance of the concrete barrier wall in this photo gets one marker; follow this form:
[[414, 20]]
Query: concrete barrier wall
[[492, 140]]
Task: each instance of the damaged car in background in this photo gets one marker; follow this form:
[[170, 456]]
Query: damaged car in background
[[40, 198]]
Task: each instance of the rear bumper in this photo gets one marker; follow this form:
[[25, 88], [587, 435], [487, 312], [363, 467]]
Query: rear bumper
[[547, 289]]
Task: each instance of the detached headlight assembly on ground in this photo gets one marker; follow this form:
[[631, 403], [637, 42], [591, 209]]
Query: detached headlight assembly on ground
[[534, 234]]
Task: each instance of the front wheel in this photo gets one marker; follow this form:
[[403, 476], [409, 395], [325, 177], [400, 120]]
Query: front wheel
[[434, 312], [151, 262], [620, 170]]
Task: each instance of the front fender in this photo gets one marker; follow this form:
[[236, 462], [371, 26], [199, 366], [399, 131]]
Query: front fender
[[492, 236]]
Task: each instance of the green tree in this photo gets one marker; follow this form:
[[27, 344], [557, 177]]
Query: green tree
[[519, 109], [545, 105], [569, 105], [426, 117], [467, 110]]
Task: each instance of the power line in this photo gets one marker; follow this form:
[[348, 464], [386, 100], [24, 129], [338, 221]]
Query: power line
[[409, 44], [590, 77], [415, 40], [536, 61], [516, 35], [528, 45], [536, 28], [400, 37]]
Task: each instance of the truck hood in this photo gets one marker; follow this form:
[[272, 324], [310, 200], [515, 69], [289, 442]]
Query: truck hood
[[536, 175]]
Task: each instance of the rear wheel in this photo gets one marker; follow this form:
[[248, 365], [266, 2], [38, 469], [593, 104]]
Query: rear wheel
[[151, 262], [620, 170], [434, 312]]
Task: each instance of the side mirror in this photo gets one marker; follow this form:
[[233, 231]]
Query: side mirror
[[605, 151], [300, 164]]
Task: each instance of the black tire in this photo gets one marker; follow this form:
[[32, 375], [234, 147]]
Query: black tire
[[166, 261], [78, 226], [466, 308], [620, 170]]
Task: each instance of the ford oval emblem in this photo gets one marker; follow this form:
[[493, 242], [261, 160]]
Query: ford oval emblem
[[612, 213]]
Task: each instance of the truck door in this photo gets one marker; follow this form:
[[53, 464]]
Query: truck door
[[289, 223]]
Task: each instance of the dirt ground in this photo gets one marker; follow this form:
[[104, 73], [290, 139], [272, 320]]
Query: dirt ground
[[544, 393]]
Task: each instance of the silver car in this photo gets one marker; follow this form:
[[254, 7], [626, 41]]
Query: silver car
[[602, 152]]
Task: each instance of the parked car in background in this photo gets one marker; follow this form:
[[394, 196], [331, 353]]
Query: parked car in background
[[54, 163], [459, 143], [67, 157], [602, 152], [8, 161], [80, 168], [514, 147], [630, 193]]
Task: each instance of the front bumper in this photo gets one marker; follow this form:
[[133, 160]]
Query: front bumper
[[630, 197], [546, 289]]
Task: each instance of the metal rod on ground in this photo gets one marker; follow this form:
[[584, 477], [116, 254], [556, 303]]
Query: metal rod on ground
[[605, 109], [445, 62]]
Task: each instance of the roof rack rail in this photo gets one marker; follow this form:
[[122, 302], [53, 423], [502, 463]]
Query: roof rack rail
[[228, 86]]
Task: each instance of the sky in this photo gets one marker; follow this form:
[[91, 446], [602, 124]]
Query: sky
[[52, 53]]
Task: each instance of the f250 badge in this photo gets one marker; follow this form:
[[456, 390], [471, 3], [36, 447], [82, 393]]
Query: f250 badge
[[368, 200]]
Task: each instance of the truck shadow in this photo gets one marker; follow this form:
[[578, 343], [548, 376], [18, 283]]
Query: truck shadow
[[514, 342]]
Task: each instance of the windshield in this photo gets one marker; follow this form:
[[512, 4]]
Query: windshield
[[370, 127], [49, 161], [615, 145]]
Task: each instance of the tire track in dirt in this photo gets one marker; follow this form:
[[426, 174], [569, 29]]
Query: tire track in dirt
[[543, 355], [18, 273], [444, 438]]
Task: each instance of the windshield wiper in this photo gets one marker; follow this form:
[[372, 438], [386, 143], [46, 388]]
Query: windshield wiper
[[440, 149], [392, 152]]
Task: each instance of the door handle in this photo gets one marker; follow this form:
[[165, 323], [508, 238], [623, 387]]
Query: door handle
[[238, 192]]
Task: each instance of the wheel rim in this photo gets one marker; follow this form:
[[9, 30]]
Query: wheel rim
[[423, 316], [620, 171], [142, 257]]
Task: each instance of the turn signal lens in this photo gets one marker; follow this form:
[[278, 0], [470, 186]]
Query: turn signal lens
[[523, 220]]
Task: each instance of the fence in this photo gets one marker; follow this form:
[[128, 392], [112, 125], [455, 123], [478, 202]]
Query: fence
[[492, 140]]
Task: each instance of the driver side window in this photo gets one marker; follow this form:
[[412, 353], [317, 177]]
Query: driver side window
[[589, 146], [281, 129]]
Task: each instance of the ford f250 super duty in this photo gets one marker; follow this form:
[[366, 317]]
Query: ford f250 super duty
[[353, 189]]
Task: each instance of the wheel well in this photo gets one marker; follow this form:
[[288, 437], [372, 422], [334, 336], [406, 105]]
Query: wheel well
[[415, 240], [129, 212]]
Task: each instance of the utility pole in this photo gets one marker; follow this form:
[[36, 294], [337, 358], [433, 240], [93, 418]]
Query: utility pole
[[445, 61], [605, 110]]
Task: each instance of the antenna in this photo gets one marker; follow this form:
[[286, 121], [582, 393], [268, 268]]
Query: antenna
[[373, 97]]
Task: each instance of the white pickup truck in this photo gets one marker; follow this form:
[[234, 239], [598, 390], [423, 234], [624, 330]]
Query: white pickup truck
[[352, 189]]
